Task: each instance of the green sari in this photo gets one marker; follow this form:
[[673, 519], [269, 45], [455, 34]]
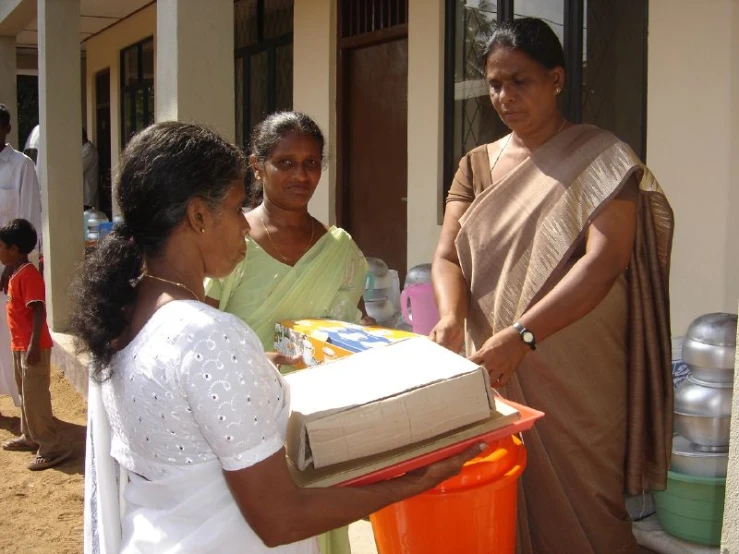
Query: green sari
[[327, 282]]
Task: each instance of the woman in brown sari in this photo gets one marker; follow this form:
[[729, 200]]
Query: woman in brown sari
[[557, 239]]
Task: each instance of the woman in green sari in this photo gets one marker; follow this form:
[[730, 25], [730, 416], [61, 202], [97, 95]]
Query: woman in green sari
[[295, 267]]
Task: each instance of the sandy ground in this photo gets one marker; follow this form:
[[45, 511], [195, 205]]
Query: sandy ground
[[42, 511]]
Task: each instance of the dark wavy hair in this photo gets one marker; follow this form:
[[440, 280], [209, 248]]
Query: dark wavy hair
[[268, 134], [4, 115], [19, 233], [531, 36], [163, 167]]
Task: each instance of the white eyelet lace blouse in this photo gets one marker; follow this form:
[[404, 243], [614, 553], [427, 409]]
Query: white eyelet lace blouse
[[192, 395]]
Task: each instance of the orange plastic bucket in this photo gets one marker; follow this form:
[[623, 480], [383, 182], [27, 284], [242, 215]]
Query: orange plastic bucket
[[472, 513]]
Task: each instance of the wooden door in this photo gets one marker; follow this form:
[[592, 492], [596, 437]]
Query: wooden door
[[102, 138], [374, 147]]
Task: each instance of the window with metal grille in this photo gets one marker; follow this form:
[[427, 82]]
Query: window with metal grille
[[137, 88], [358, 17], [605, 44], [264, 61]]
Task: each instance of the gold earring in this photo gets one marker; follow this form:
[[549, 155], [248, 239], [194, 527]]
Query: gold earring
[[202, 230], [557, 91]]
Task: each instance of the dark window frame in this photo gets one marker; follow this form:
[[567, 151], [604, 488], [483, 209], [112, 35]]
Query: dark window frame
[[141, 85], [244, 55], [574, 11], [27, 111]]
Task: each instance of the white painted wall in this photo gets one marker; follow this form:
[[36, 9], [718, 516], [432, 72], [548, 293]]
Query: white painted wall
[[425, 127], [692, 140], [314, 88]]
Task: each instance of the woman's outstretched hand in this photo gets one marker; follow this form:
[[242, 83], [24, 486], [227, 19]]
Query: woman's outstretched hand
[[501, 355], [282, 359], [430, 476], [449, 333], [368, 321]]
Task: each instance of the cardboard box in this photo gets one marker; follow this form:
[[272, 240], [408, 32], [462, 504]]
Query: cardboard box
[[325, 340], [382, 399], [507, 419]]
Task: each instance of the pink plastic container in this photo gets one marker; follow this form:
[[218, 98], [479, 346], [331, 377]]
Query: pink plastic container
[[423, 313]]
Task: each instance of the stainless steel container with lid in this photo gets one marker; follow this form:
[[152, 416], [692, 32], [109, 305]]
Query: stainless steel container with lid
[[709, 347], [703, 412]]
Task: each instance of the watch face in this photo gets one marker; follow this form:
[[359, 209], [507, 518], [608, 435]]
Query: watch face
[[528, 337]]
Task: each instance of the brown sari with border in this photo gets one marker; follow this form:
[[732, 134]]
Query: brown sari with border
[[605, 381]]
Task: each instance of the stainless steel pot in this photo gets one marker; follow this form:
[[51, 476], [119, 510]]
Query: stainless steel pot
[[707, 433], [696, 397], [703, 412], [689, 461], [709, 347]]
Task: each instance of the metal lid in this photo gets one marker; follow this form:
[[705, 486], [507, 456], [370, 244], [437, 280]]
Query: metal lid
[[418, 274], [717, 329], [376, 267], [683, 447]]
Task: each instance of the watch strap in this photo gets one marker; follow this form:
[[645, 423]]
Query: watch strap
[[526, 335]]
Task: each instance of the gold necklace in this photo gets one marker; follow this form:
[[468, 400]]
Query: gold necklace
[[279, 253], [175, 283]]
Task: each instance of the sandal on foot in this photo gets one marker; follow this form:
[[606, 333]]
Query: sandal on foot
[[19, 444], [45, 462]]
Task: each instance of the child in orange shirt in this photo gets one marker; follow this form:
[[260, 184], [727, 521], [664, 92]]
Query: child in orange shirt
[[31, 346]]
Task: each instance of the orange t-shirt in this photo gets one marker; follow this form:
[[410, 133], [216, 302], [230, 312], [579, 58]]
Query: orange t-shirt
[[25, 287]]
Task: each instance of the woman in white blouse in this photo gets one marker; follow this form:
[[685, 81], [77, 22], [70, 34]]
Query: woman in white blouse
[[197, 414]]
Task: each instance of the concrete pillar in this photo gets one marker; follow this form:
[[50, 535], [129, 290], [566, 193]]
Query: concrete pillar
[[314, 88], [730, 532], [60, 165], [8, 86], [732, 206], [195, 63], [425, 127]]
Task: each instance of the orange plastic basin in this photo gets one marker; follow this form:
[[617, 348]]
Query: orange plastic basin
[[472, 513]]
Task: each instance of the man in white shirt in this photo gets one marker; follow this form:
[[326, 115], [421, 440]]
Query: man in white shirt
[[90, 172], [19, 198]]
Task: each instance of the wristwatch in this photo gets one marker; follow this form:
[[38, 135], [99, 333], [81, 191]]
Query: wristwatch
[[526, 336]]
